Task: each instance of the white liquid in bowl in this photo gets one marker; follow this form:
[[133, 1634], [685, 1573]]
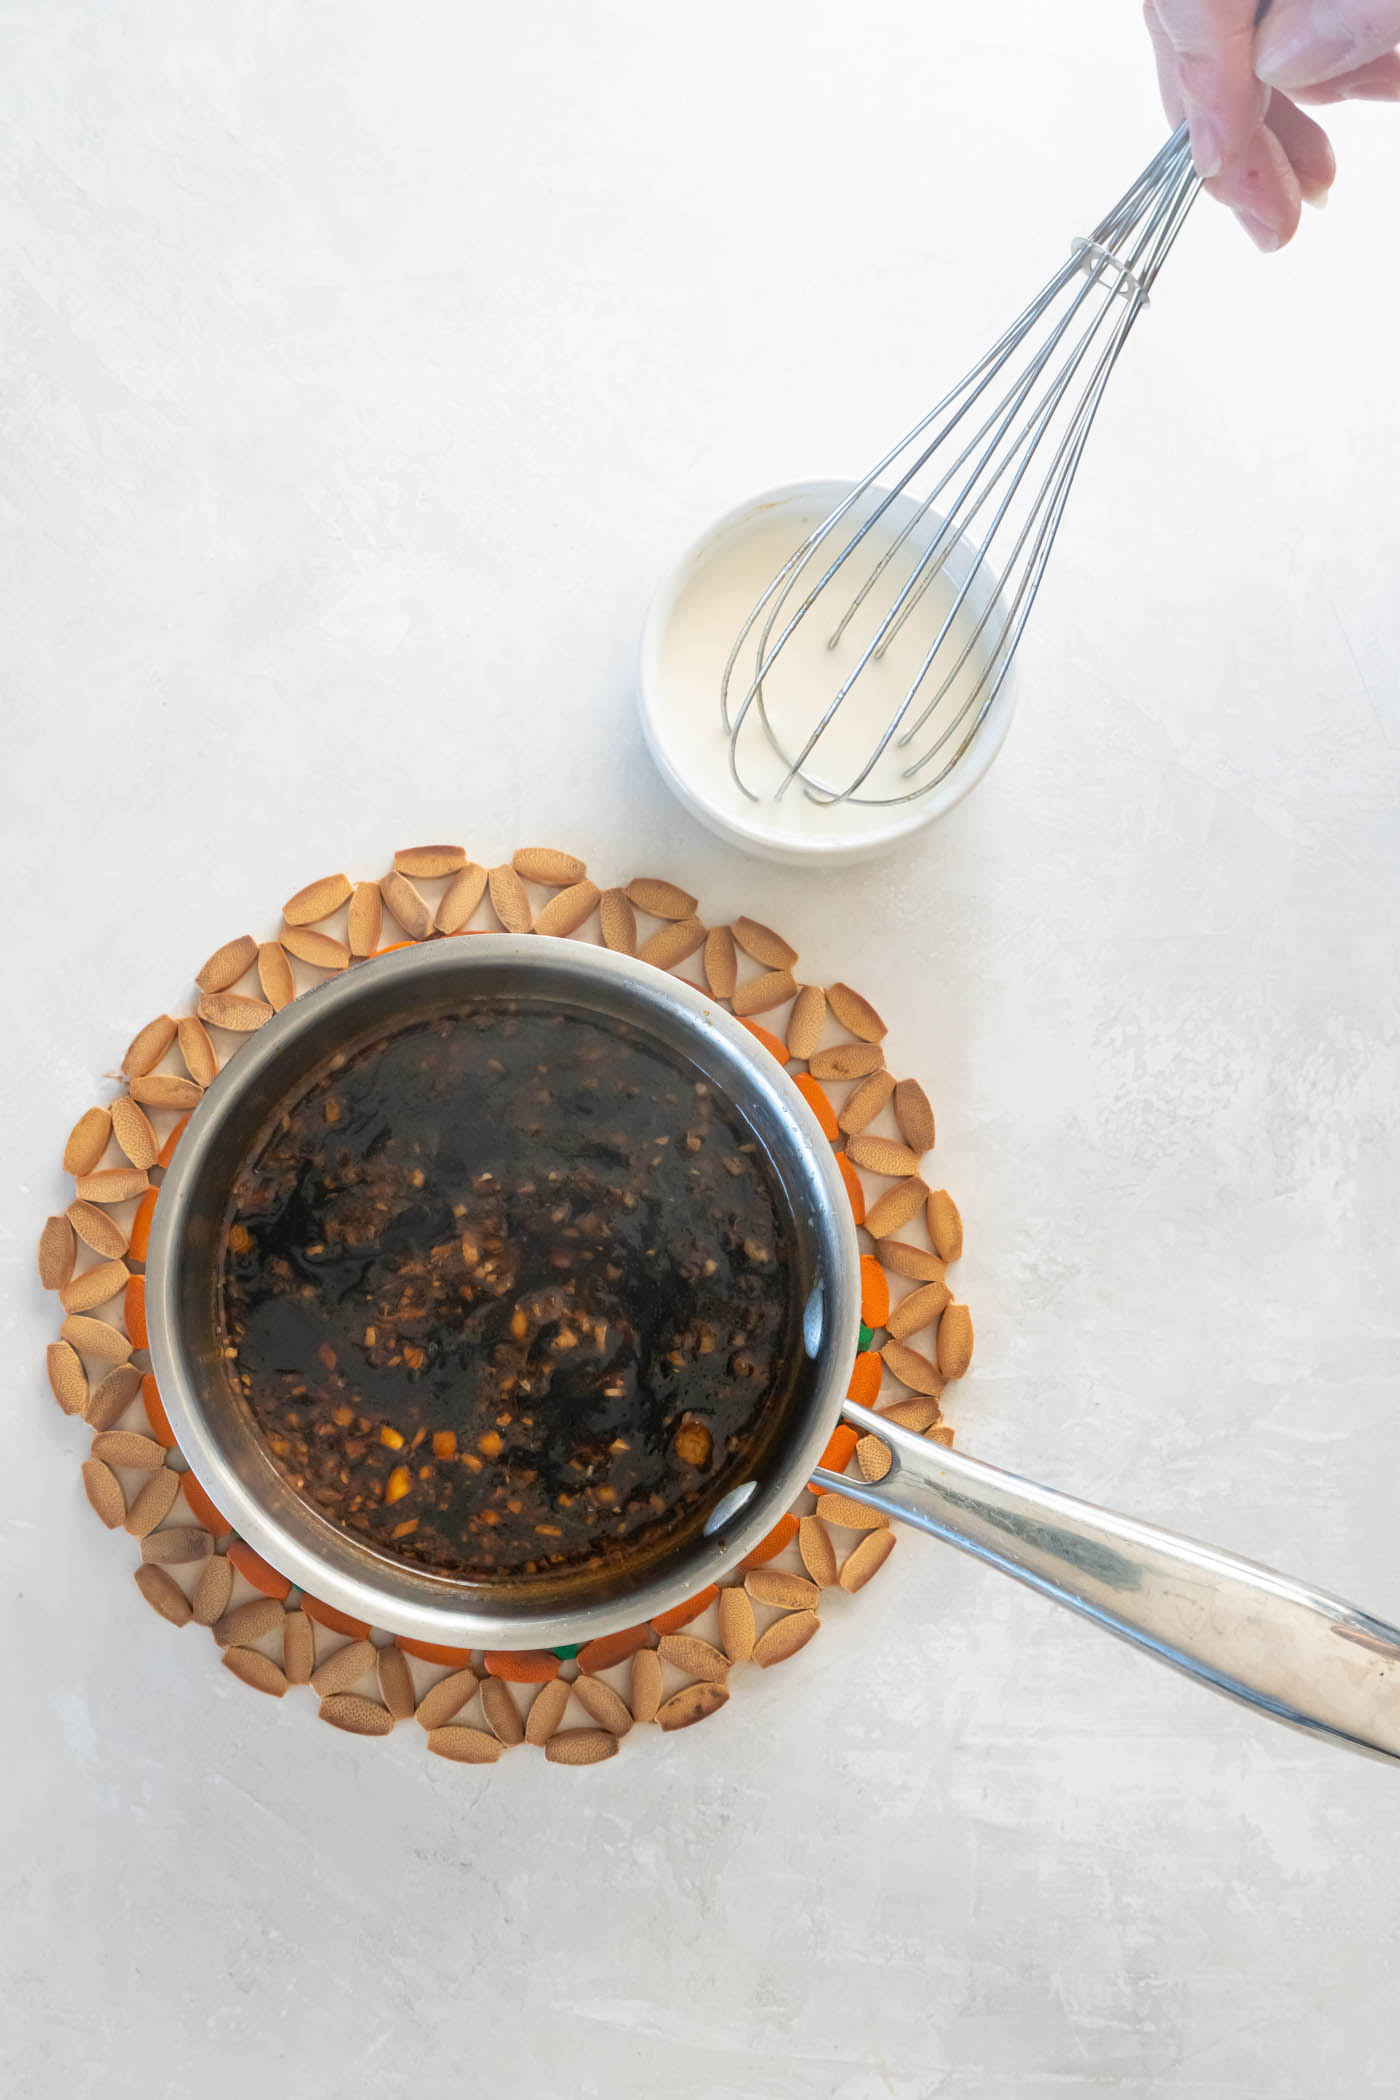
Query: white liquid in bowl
[[694, 626]]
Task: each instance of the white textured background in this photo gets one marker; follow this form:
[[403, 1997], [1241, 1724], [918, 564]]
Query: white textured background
[[362, 366]]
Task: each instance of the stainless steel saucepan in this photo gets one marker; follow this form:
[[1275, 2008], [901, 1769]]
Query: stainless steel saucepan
[[1295, 1653]]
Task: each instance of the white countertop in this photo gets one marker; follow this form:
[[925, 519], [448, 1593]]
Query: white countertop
[[361, 369]]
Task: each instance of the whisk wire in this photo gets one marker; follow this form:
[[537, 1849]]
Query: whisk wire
[[1050, 500], [1109, 276]]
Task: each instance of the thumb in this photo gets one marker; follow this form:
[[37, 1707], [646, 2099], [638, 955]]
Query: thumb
[[1302, 42]]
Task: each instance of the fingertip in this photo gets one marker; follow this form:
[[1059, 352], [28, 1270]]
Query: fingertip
[[1318, 188], [1266, 238], [1370, 91], [1317, 191]]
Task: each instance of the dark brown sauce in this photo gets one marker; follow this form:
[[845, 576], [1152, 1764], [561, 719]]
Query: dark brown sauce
[[507, 1293]]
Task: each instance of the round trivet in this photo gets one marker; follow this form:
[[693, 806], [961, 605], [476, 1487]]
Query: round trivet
[[576, 1704]]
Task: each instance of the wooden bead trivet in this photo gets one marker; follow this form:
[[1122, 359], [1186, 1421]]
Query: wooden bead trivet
[[576, 1704]]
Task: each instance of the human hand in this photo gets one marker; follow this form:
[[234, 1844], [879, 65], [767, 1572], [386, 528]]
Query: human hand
[[1240, 89]]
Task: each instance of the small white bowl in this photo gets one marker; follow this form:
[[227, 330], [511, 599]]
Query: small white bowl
[[685, 730]]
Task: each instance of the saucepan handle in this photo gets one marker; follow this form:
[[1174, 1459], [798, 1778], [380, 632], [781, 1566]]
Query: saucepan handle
[[1293, 1652]]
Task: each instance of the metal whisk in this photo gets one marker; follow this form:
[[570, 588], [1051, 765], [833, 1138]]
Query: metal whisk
[[1018, 405]]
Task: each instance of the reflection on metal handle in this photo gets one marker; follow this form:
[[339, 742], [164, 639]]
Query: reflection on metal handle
[[1291, 1651]]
